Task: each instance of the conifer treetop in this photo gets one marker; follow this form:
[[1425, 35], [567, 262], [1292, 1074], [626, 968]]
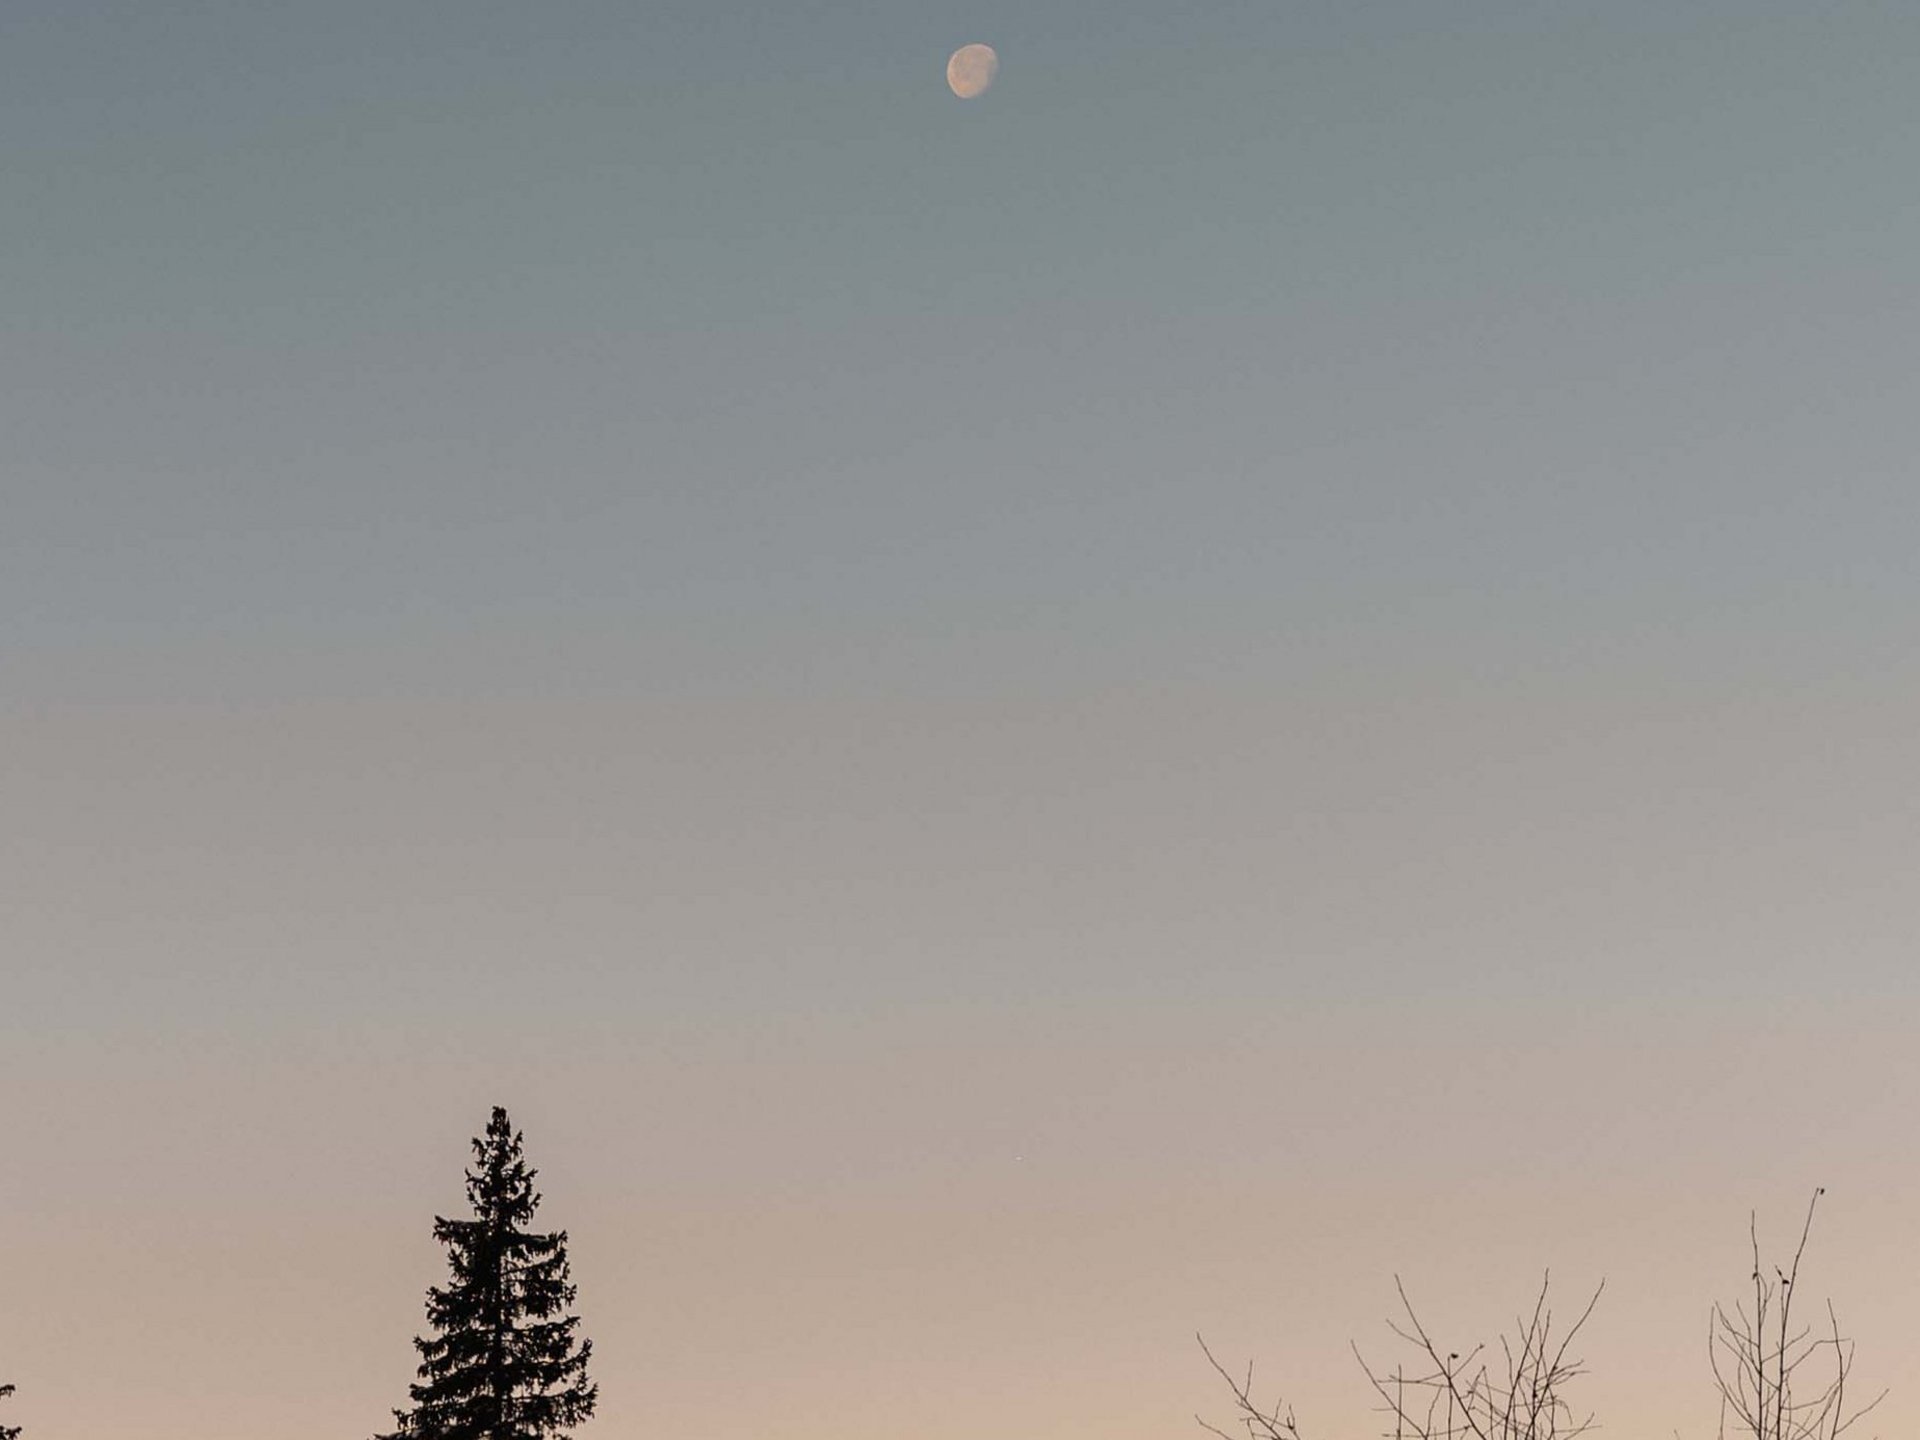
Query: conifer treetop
[[504, 1361]]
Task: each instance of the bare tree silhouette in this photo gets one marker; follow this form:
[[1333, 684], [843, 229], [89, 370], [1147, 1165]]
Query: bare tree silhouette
[[1757, 1356], [1756, 1352], [1450, 1395]]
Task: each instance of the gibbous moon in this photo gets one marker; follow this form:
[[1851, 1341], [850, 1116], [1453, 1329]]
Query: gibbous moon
[[970, 70]]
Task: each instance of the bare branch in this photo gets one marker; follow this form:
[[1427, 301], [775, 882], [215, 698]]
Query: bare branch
[[1758, 1358]]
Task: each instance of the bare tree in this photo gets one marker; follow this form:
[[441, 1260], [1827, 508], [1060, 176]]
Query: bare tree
[[1757, 1356], [1274, 1424], [1450, 1395]]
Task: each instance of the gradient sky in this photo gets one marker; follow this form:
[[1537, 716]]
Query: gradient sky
[[1282, 652]]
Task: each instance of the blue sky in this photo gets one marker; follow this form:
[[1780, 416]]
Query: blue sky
[[334, 326]]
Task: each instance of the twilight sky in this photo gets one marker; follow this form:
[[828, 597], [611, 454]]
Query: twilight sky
[[1283, 651]]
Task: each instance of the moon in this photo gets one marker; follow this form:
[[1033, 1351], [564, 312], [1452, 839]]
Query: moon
[[970, 70]]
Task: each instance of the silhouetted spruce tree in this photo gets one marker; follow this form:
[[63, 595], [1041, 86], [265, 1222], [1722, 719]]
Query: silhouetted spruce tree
[[504, 1362], [8, 1432]]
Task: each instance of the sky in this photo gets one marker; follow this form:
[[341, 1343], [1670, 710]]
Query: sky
[[1278, 654]]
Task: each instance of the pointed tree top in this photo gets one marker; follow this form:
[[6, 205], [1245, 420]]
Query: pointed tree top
[[504, 1360]]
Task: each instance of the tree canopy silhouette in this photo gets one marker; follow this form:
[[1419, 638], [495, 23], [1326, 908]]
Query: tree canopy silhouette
[[504, 1361], [1451, 1394], [1758, 1356], [1756, 1349], [8, 1432]]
